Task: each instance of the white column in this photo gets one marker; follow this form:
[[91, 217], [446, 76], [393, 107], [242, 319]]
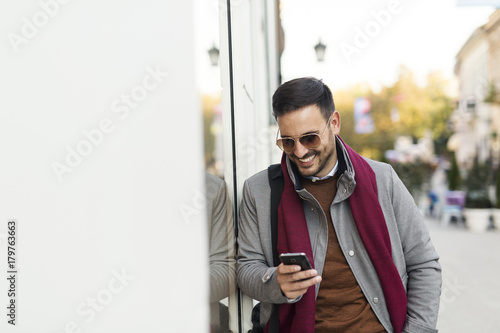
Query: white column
[[101, 146]]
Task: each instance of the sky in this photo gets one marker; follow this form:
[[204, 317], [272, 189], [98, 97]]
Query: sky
[[424, 35], [367, 40], [206, 31]]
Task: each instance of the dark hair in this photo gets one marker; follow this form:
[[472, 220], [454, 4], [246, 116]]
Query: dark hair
[[302, 92]]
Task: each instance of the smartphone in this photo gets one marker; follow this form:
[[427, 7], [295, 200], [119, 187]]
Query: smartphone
[[296, 259]]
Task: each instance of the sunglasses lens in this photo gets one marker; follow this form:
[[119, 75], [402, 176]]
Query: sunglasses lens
[[286, 144], [310, 141]]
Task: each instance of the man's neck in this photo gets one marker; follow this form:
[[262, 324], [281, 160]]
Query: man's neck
[[330, 174]]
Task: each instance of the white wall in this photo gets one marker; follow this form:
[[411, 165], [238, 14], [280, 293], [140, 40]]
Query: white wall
[[128, 207], [473, 75], [474, 84]]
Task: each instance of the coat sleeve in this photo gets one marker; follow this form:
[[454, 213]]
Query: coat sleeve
[[422, 262], [256, 277], [221, 241]]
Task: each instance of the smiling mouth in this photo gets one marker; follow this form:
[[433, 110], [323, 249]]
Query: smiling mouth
[[306, 160]]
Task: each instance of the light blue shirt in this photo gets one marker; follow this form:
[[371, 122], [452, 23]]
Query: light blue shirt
[[330, 174]]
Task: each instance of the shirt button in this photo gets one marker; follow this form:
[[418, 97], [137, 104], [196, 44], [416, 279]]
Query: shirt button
[[351, 253], [267, 277], [345, 190], [375, 300]]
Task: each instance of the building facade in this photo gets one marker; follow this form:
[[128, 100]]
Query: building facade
[[476, 121]]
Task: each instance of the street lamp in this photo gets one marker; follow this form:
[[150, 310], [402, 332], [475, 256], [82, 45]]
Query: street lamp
[[320, 51], [214, 55]]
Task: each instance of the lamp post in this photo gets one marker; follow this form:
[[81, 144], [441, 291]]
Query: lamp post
[[214, 55], [320, 51]]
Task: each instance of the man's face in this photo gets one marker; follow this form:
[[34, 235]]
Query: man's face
[[317, 161]]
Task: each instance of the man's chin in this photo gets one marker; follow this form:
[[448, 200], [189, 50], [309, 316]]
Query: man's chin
[[307, 171]]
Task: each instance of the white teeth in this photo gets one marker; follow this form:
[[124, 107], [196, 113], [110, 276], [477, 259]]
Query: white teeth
[[305, 160]]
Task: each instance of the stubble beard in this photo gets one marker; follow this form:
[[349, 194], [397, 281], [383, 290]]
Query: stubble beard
[[323, 159]]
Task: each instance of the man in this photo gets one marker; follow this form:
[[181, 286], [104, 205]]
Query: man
[[374, 266]]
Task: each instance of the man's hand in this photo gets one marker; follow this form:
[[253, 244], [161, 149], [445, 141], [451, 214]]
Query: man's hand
[[294, 282]]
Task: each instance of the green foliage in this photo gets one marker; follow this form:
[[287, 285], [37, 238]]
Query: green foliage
[[417, 108], [414, 175], [476, 185], [454, 179], [208, 104], [497, 191], [405, 108], [370, 145], [493, 96]]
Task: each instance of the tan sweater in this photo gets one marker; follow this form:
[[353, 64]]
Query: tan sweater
[[341, 305]]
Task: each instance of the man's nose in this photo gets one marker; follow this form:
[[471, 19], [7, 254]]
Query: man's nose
[[299, 150]]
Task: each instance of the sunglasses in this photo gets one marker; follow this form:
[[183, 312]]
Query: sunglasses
[[311, 140]]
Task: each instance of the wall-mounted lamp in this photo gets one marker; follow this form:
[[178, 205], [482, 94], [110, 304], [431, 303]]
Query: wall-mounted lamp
[[320, 51], [214, 55]]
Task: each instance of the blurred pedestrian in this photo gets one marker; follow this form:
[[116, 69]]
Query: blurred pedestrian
[[433, 200]]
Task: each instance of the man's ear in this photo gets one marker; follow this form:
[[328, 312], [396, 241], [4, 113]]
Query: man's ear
[[335, 122]]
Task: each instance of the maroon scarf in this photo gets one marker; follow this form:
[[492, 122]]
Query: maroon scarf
[[293, 236]]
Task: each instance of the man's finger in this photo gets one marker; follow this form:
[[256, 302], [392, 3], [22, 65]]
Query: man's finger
[[302, 275], [293, 290], [303, 284], [288, 269]]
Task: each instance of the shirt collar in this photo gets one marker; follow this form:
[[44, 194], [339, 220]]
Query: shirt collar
[[330, 174]]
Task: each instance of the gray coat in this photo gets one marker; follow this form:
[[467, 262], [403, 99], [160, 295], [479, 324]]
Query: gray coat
[[412, 249]]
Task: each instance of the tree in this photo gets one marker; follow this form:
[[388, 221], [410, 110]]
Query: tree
[[497, 191], [404, 108], [454, 179], [208, 103]]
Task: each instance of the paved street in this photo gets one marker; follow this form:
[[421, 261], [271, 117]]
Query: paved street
[[470, 300]]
